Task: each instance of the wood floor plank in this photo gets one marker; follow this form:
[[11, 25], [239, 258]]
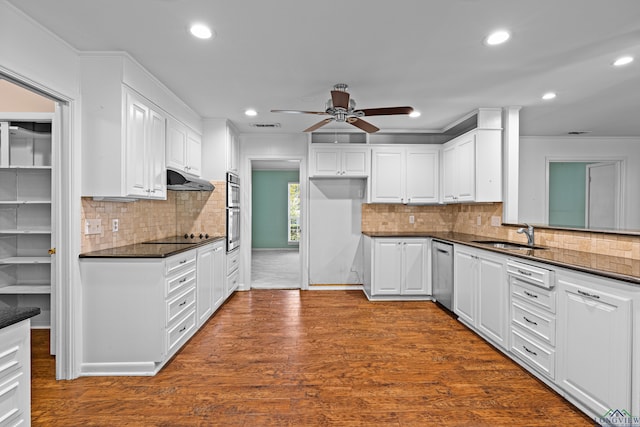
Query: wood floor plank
[[311, 358]]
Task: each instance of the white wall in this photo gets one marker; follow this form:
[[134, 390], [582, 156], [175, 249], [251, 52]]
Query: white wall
[[335, 243], [534, 152]]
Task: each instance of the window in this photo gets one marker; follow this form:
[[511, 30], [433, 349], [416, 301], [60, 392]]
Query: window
[[293, 218]]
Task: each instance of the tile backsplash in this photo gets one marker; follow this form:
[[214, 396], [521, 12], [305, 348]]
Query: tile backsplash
[[476, 219], [182, 212]]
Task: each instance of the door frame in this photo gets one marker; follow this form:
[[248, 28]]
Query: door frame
[[68, 296], [618, 199], [246, 213]]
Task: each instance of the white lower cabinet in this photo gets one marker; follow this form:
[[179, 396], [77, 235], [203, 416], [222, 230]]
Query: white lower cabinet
[[210, 285], [480, 295], [15, 374], [595, 344], [138, 312], [233, 272], [397, 267]]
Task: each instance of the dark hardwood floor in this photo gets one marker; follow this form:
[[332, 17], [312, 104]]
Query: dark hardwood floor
[[312, 358]]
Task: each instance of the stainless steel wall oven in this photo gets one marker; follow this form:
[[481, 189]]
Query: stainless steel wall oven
[[233, 212]]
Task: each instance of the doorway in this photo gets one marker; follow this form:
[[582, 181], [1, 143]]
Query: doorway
[[275, 224]]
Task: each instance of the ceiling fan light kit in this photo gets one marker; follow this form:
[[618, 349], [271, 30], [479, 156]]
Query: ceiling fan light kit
[[342, 109]]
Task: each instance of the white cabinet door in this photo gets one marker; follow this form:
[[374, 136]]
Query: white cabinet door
[[193, 154], [233, 150], [458, 169], [422, 175], [137, 127], [387, 275], [354, 162], [176, 145], [464, 279], [493, 293], [145, 148], [325, 162], [387, 175], [414, 277], [205, 283], [156, 155], [219, 294], [595, 345], [466, 168]]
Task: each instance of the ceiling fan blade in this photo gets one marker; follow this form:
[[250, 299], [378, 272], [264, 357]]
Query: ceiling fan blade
[[340, 99], [318, 125], [298, 112], [365, 126], [388, 111]]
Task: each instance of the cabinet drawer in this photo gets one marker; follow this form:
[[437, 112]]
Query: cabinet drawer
[[539, 297], [178, 334], [539, 324], [233, 280], [11, 399], [178, 282], [535, 275], [233, 261], [180, 305], [179, 262], [536, 355], [12, 353]]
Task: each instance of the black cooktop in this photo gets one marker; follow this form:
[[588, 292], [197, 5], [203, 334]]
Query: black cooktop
[[186, 239]]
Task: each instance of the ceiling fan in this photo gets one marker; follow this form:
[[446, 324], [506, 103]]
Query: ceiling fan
[[342, 108]]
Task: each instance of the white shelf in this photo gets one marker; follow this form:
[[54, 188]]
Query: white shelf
[[30, 230], [24, 167], [25, 202], [25, 289], [26, 260]]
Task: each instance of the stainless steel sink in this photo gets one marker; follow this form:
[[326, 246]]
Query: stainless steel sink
[[506, 245]]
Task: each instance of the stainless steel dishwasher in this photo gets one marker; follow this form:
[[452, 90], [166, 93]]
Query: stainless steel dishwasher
[[442, 274]]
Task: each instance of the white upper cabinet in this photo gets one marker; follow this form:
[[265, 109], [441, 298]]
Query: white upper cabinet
[[404, 174], [331, 160], [220, 149], [184, 148], [124, 128], [144, 144], [472, 167]]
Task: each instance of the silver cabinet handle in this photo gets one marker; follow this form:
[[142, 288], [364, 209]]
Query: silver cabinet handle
[[184, 328], [587, 294], [524, 273], [183, 280], [183, 261], [182, 303], [529, 351], [530, 294], [529, 321]]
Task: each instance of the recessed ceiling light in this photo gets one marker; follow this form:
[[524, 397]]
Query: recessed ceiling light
[[201, 31], [624, 60], [549, 95], [251, 112], [414, 113], [497, 37]]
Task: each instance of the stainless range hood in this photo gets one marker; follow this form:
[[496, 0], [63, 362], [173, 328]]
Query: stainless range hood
[[178, 181]]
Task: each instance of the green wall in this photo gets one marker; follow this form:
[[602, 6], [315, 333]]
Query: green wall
[[269, 208], [567, 189]]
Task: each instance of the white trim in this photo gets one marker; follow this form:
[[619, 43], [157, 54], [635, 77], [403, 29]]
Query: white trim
[[68, 301], [289, 241]]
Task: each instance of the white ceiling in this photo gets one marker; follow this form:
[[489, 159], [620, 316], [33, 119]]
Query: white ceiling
[[287, 54]]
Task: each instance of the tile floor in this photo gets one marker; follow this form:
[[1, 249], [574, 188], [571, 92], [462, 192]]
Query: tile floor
[[275, 269]]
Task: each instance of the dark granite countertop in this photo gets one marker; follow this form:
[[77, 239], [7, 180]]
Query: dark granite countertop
[[624, 269], [13, 315], [148, 250]]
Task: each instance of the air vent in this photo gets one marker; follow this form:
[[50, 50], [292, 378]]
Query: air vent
[[265, 125], [578, 132]]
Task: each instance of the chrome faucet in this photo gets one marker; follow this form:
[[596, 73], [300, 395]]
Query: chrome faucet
[[529, 233]]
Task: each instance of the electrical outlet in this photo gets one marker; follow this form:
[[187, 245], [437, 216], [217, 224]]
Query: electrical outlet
[[495, 221], [412, 219], [478, 220], [93, 226], [115, 224]]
